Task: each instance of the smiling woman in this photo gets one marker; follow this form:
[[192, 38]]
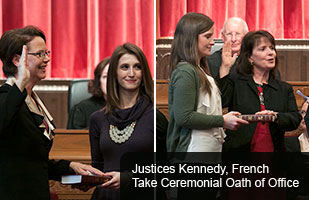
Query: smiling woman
[[37, 60], [26, 126], [255, 89], [129, 73], [126, 123]]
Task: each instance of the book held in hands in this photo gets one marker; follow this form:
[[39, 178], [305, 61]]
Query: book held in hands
[[84, 180]]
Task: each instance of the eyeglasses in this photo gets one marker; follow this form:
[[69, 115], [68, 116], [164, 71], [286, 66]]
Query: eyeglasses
[[41, 54]]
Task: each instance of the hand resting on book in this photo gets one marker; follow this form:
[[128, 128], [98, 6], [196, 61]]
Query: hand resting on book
[[83, 169], [109, 180], [113, 182], [84, 182]]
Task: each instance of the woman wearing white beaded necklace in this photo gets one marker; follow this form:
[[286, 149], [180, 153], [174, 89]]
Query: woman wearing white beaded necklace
[[126, 123]]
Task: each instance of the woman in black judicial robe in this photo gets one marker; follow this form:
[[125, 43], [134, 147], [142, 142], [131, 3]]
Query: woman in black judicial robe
[[26, 127]]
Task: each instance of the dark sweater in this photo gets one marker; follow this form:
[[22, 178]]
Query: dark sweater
[[80, 113], [24, 150], [105, 153]]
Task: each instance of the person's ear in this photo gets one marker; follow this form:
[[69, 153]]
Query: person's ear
[[15, 60], [250, 60]]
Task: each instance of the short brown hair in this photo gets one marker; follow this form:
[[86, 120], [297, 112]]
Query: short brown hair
[[146, 86], [250, 40], [11, 44], [94, 86]]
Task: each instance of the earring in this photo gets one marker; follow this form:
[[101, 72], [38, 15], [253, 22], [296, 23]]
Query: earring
[[252, 63]]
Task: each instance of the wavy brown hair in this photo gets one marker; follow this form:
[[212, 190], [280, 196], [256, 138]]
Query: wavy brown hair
[[94, 86], [185, 44], [250, 40], [146, 86]]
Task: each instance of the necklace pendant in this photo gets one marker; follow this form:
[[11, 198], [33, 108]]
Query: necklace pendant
[[122, 136], [261, 97]]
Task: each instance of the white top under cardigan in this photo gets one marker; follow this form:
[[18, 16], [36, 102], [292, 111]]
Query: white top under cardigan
[[208, 140], [304, 143]]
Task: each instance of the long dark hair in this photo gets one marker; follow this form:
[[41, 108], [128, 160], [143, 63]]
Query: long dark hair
[[250, 40], [146, 86], [185, 44]]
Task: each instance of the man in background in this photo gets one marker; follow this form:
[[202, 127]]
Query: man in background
[[223, 61]]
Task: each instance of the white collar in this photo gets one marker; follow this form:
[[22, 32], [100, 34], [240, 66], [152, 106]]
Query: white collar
[[11, 80], [47, 116], [304, 143]]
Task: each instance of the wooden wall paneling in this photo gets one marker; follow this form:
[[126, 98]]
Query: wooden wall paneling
[[304, 66], [282, 66], [293, 71], [162, 96], [57, 104], [163, 54], [287, 65], [54, 94], [306, 91], [293, 57], [303, 87]]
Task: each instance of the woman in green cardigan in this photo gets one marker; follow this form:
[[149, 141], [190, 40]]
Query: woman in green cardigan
[[194, 102]]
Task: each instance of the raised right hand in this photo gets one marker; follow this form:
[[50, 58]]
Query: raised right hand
[[23, 73], [232, 122], [228, 59]]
